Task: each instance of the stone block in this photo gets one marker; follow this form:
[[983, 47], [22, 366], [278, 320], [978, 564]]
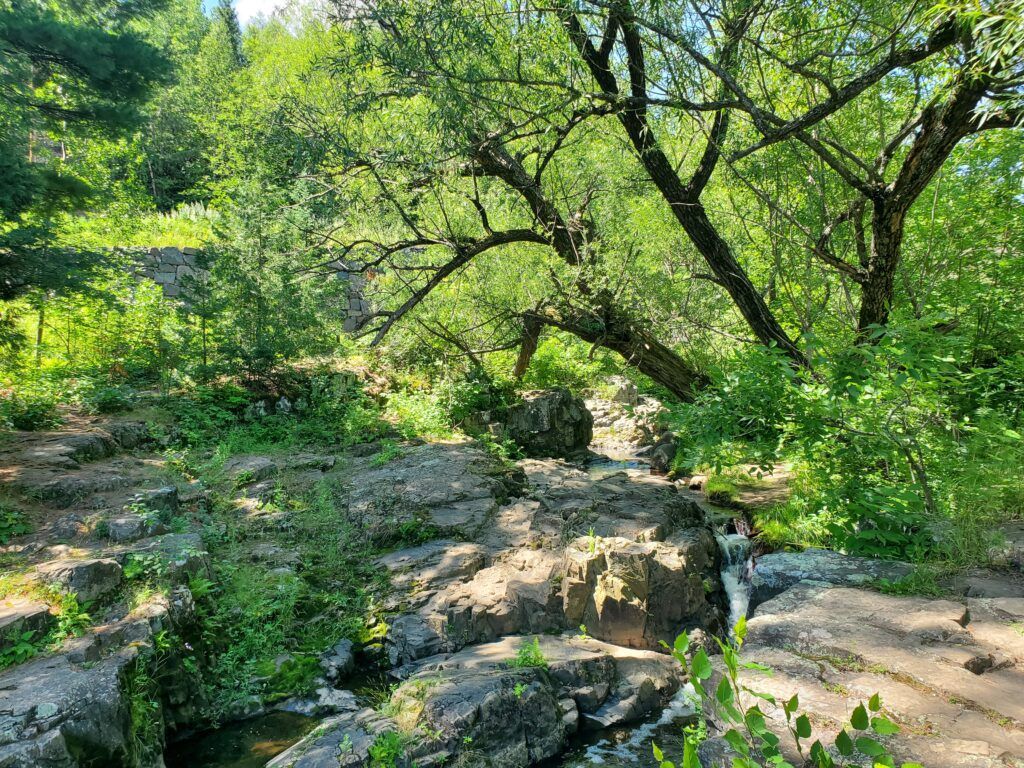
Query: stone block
[[172, 256]]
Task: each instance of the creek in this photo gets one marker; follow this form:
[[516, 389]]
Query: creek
[[253, 743]]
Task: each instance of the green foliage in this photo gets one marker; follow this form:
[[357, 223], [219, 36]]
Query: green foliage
[[98, 69], [12, 523], [885, 442], [740, 710], [720, 489], [251, 615], [145, 717], [28, 409], [389, 451], [387, 750], [418, 414], [22, 649], [529, 655]]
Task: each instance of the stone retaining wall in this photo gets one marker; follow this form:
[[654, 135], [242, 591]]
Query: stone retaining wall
[[179, 271]]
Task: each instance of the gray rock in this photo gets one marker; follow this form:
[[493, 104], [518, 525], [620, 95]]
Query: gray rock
[[779, 571], [88, 579], [21, 615], [338, 662], [625, 392], [549, 423], [947, 672], [638, 594], [54, 713], [342, 741], [133, 527], [68, 527], [475, 704], [663, 453], [250, 469], [163, 501], [129, 434]]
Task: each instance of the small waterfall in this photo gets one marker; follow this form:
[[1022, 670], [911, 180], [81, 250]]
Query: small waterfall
[[737, 565]]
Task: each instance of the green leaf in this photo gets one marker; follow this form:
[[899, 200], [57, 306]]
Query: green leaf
[[740, 630], [690, 759], [859, 718], [803, 727], [884, 726], [763, 696], [735, 740], [874, 703], [844, 744], [700, 667], [682, 643], [724, 694], [791, 706], [869, 747], [820, 756]]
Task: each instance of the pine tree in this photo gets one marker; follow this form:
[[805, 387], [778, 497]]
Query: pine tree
[[226, 15], [63, 68]]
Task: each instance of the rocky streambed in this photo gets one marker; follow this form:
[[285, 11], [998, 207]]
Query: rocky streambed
[[524, 628]]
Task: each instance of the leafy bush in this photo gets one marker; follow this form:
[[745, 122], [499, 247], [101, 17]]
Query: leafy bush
[[899, 451], [29, 410], [387, 750], [529, 655], [109, 399], [12, 523]]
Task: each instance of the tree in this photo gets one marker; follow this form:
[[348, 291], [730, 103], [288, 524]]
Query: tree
[[695, 92], [62, 70], [228, 20]]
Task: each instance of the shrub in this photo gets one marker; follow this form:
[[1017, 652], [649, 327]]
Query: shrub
[[29, 410], [12, 523], [387, 750], [529, 655]]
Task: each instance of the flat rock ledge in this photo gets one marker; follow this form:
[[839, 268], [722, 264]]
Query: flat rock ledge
[[949, 673]]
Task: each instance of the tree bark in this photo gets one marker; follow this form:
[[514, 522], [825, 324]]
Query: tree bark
[[605, 325], [942, 126], [531, 338], [637, 347]]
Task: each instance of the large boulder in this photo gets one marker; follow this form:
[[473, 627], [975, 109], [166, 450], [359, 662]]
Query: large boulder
[[545, 423], [482, 707], [55, 713], [21, 615], [641, 593], [88, 579]]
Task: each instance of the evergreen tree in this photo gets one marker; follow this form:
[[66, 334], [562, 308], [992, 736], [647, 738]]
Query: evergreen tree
[[64, 68], [227, 17]]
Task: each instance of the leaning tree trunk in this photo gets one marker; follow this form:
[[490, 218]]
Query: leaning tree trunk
[[637, 347]]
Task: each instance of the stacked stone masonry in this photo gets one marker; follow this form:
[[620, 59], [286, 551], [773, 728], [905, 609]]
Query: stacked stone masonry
[[180, 271]]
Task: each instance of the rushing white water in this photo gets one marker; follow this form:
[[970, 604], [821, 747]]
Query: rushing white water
[[737, 565], [631, 745]]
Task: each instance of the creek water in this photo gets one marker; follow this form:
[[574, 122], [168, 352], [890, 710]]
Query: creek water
[[631, 745], [737, 565], [245, 744]]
